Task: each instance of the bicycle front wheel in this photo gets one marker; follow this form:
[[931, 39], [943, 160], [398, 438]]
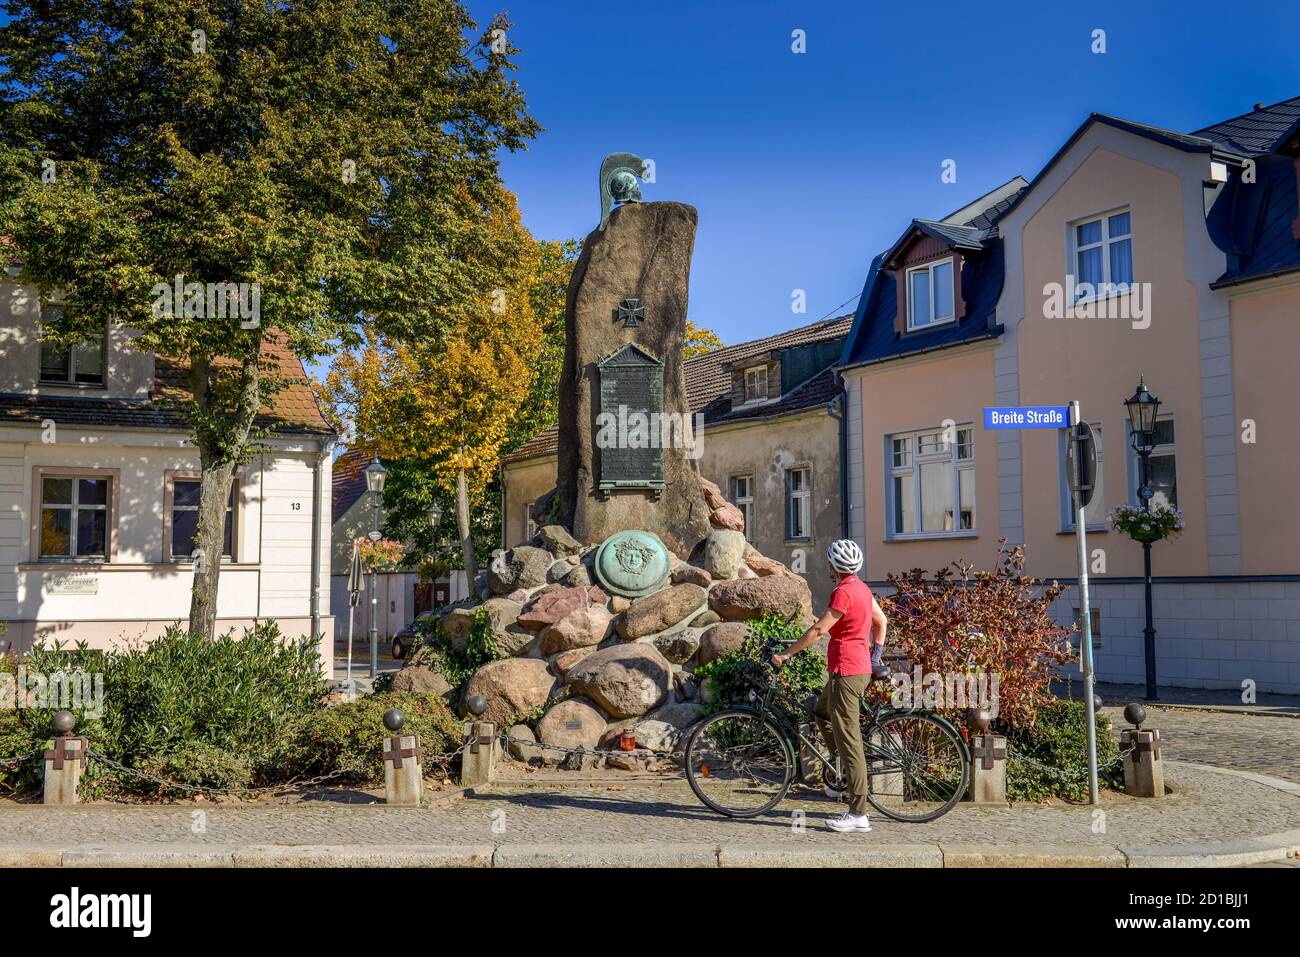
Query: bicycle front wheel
[[739, 763], [918, 768]]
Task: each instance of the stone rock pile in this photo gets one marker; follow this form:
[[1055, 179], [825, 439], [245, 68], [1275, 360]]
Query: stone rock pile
[[617, 664]]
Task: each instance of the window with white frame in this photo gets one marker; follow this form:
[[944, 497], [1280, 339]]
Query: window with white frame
[[185, 520], [530, 527], [798, 502], [931, 482], [74, 517], [742, 496], [79, 364], [930, 294], [1095, 513], [756, 383], [1103, 253], [1164, 466]]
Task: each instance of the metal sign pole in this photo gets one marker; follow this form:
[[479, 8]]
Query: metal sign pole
[[1085, 611]]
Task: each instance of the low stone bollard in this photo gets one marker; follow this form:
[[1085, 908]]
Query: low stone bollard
[[403, 774], [482, 748], [988, 770], [1144, 771], [64, 762]]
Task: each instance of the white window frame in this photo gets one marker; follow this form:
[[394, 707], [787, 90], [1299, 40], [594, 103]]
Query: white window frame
[[530, 527], [1067, 498], [73, 351], [911, 309], [949, 452], [744, 502], [800, 500], [1107, 288], [1164, 450], [756, 395], [73, 507]]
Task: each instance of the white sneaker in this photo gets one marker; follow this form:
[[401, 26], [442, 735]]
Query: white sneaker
[[849, 822]]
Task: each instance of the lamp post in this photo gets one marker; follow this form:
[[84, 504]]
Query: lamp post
[[376, 474], [1142, 408], [435, 520]]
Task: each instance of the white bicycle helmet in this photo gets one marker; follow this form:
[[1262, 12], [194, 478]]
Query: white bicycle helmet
[[845, 556]]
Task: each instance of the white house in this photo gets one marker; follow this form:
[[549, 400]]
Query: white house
[[98, 495]]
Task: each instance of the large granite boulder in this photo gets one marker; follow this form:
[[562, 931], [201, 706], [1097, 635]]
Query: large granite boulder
[[457, 620], [573, 723], [678, 647], [728, 516], [722, 639], [680, 716], [524, 566], [557, 540], [551, 606], [724, 550], [421, 679], [693, 574], [626, 680], [748, 598], [580, 628], [511, 686], [644, 252], [660, 610]]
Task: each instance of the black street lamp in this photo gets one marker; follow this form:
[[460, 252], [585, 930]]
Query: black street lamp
[[1142, 408], [376, 475]]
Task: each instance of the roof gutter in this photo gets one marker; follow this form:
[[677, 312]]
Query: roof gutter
[[1242, 280], [841, 417], [992, 333]]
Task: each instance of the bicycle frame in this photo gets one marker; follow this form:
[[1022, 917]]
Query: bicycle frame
[[793, 732]]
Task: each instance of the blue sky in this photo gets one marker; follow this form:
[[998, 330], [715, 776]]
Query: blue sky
[[804, 166]]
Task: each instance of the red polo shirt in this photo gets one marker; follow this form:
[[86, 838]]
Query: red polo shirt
[[849, 652]]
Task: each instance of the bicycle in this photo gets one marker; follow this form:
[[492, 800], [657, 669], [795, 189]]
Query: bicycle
[[741, 761]]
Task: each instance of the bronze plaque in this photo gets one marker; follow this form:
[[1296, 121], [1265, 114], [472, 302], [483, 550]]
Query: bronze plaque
[[629, 427]]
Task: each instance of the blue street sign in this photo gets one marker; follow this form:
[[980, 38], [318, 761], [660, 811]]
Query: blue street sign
[[1027, 417]]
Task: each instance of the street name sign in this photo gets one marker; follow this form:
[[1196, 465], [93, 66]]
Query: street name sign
[[1027, 417]]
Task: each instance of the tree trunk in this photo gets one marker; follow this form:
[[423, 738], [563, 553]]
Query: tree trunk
[[462, 525], [223, 424], [214, 492]]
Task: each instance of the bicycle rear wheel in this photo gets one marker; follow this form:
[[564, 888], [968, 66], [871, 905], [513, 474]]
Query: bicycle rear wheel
[[739, 763], [918, 769]]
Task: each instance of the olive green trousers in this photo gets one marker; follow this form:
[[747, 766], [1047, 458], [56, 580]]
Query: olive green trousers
[[838, 713]]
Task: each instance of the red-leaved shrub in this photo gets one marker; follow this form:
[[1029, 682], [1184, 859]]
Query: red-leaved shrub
[[955, 624]]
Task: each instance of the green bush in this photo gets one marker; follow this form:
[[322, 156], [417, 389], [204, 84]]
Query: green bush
[[732, 675], [231, 712], [1057, 739], [352, 735], [457, 666]]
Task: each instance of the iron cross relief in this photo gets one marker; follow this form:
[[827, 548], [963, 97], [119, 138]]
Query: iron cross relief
[[395, 752], [631, 312], [986, 751]]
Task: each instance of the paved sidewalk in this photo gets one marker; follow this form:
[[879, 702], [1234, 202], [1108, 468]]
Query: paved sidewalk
[[1214, 817], [1211, 699]]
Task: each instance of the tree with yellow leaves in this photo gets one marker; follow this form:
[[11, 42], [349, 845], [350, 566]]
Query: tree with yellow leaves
[[448, 400]]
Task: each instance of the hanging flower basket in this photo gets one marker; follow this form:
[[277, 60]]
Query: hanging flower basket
[[1161, 522], [381, 555]]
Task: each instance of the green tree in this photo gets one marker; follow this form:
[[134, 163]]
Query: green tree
[[340, 158]]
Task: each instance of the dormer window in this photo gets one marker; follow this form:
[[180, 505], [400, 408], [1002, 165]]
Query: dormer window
[[756, 384], [930, 295], [80, 364]]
